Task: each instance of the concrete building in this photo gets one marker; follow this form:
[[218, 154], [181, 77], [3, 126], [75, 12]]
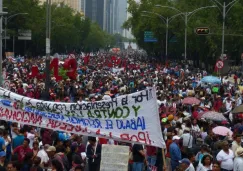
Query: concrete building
[[74, 4]]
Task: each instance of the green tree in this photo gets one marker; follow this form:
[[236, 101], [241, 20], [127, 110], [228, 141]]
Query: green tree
[[206, 48], [70, 31]]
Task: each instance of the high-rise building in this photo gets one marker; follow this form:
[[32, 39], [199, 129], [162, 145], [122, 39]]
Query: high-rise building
[[109, 14], [94, 10], [128, 33], [115, 15], [122, 16], [82, 6], [74, 4]]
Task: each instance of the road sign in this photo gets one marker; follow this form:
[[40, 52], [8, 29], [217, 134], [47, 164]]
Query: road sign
[[149, 37], [202, 31], [24, 34], [219, 64]]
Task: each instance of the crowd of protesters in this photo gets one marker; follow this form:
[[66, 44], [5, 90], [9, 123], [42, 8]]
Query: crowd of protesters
[[190, 142]]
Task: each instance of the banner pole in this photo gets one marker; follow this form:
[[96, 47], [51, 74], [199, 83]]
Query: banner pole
[[163, 157]]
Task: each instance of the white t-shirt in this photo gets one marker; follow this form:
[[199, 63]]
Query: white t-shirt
[[226, 159], [203, 168], [195, 128], [186, 139], [31, 137], [43, 155], [238, 164], [190, 168]]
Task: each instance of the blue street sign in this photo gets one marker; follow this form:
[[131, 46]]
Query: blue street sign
[[149, 37]]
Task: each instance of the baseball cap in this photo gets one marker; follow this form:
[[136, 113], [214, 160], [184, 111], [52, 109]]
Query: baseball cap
[[2, 154], [185, 161], [51, 148], [175, 138]]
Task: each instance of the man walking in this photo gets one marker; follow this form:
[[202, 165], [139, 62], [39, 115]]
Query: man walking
[[175, 152]]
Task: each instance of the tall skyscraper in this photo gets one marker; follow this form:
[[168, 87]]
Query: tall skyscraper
[[94, 10], [109, 14], [82, 5], [122, 16], [115, 15], [128, 33], [74, 4], [111, 10]]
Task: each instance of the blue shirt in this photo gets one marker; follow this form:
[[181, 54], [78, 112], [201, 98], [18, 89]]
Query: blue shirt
[[2, 142], [17, 141], [175, 152]]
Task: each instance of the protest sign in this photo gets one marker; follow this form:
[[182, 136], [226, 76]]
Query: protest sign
[[114, 158], [130, 118]]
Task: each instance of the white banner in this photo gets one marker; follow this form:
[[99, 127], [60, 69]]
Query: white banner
[[114, 157], [115, 70], [133, 117]]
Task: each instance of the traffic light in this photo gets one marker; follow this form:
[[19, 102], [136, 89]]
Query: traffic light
[[202, 31]]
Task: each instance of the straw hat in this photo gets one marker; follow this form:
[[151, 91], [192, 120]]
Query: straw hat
[[239, 152]]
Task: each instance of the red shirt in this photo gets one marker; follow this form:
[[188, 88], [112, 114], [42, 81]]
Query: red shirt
[[21, 151], [195, 114], [168, 143], [217, 105], [151, 151], [20, 91]]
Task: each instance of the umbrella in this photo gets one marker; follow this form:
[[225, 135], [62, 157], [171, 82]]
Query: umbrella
[[213, 116], [190, 100], [221, 130], [238, 109], [211, 79]]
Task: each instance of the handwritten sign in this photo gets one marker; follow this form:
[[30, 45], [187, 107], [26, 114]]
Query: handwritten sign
[[114, 158], [130, 118]]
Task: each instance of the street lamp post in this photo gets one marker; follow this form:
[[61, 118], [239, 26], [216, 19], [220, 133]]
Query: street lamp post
[[1, 42], [6, 19], [167, 21], [48, 48], [187, 16], [224, 11]]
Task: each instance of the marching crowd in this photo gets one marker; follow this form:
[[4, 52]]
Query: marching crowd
[[191, 142]]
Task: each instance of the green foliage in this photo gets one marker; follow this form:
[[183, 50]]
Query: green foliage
[[62, 72], [207, 48], [70, 31]]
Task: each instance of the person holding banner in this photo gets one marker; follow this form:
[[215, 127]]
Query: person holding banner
[[138, 157], [93, 154]]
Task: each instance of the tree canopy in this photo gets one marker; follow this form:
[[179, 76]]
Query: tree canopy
[[207, 47], [70, 31]]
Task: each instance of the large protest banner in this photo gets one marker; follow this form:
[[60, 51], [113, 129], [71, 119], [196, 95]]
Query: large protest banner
[[131, 118], [114, 158]]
